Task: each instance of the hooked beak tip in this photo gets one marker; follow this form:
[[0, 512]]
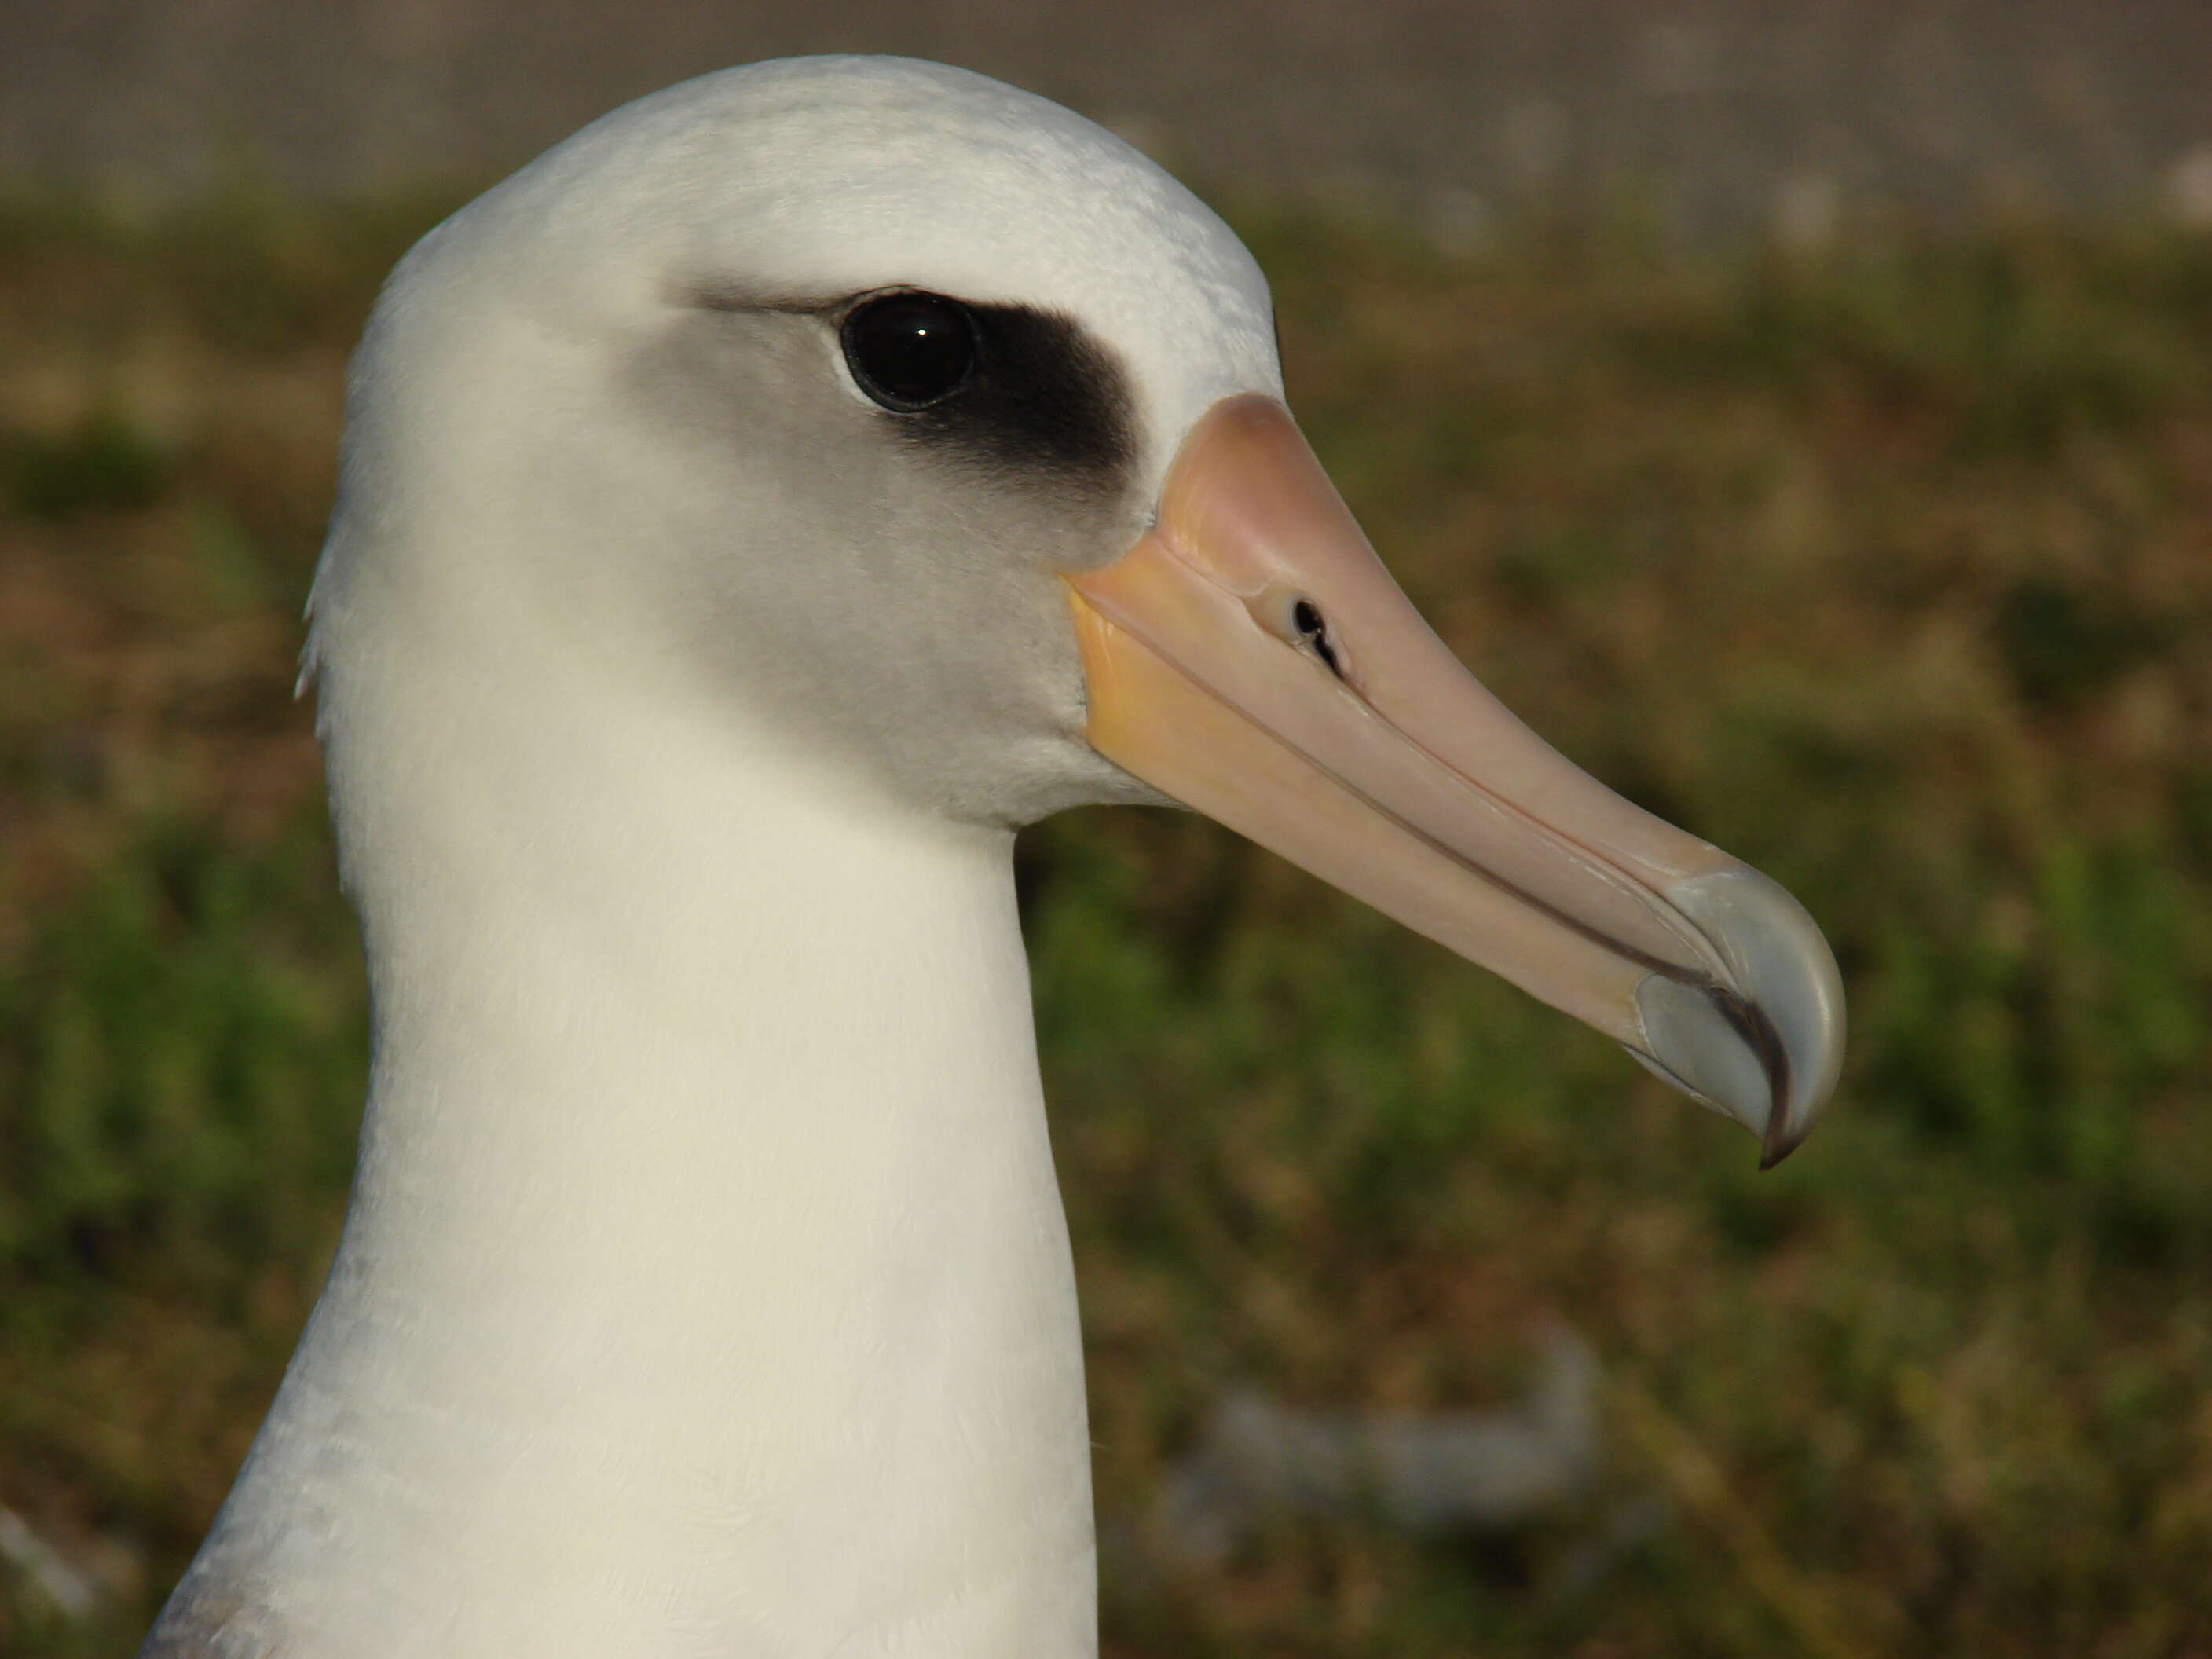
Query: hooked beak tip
[[1772, 1155], [1766, 1048]]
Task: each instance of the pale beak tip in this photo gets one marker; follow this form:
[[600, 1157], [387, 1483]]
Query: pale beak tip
[[1780, 1140], [1767, 1049]]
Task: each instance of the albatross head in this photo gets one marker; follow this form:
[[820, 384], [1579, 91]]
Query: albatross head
[[935, 430]]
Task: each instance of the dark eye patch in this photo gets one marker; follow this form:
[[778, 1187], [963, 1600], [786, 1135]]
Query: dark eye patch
[[1043, 400]]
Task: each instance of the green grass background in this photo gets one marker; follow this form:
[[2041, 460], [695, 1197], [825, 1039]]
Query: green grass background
[[1889, 568]]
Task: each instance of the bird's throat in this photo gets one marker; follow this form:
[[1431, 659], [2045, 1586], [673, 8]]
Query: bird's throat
[[705, 1286]]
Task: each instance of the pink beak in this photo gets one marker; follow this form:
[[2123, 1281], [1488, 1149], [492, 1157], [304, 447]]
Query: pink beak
[[1251, 657]]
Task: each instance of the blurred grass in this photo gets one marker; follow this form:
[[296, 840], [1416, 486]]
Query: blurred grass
[[1889, 568]]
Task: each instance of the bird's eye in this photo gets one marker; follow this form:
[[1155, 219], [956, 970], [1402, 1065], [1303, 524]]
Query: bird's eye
[[910, 350]]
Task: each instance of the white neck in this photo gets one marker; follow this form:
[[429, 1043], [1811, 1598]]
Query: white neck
[[706, 1288]]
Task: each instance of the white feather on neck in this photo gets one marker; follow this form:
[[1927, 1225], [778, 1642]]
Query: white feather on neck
[[706, 1286]]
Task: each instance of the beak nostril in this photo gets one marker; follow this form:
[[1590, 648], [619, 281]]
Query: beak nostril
[[1306, 617]]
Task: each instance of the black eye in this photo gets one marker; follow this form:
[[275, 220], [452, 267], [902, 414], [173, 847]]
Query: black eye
[[910, 350]]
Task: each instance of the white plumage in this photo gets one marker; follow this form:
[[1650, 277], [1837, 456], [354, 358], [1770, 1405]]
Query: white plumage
[[706, 1290]]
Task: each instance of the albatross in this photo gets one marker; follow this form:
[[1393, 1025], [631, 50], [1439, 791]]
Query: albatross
[[751, 512]]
